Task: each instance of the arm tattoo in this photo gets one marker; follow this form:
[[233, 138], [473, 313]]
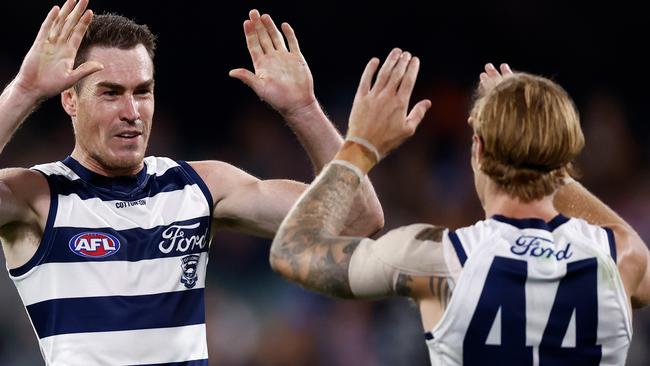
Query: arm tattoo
[[402, 287], [438, 288], [307, 248]]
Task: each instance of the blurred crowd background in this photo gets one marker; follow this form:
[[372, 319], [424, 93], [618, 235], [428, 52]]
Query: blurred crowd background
[[254, 317]]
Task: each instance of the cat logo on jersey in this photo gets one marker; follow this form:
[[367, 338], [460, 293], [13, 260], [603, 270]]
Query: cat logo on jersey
[[94, 245], [188, 265]]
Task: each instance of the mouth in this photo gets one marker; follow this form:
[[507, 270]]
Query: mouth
[[128, 135]]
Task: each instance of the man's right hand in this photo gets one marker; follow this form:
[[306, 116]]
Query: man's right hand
[[379, 113], [48, 66]]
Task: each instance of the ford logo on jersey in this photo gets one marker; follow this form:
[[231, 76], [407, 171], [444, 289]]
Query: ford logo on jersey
[[94, 245]]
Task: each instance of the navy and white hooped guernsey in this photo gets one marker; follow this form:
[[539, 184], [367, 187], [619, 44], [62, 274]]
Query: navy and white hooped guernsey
[[533, 293], [119, 276]]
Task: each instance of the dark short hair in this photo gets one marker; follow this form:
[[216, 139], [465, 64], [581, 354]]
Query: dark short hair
[[113, 30]]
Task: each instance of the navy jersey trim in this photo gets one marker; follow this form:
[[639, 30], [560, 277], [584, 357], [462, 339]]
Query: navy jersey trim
[[47, 239], [171, 180], [458, 247], [117, 313], [533, 223], [197, 178], [612, 242], [124, 185], [184, 363]]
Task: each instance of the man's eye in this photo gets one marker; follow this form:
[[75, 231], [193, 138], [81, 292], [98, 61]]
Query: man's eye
[[110, 93]]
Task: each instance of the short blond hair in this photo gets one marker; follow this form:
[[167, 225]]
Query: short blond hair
[[531, 133]]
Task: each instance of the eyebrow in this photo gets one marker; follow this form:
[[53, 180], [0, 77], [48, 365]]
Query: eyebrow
[[118, 87]]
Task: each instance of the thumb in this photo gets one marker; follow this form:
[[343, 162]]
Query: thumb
[[84, 70], [417, 113], [245, 76]]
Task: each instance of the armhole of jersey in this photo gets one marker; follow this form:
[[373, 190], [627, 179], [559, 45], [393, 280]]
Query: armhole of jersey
[[199, 181], [612, 242], [458, 247], [46, 240]]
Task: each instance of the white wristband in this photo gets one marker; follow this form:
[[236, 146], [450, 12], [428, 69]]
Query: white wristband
[[350, 166], [365, 143]]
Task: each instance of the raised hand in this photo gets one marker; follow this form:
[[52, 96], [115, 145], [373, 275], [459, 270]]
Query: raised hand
[[282, 77], [48, 66], [379, 113], [492, 77]]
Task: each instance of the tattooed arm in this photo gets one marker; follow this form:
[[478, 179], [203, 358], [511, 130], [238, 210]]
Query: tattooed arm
[[308, 247], [408, 261]]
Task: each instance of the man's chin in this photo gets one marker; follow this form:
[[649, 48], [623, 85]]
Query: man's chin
[[131, 161]]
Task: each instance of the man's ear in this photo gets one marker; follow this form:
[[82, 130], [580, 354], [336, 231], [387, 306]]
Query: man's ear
[[69, 101], [477, 148]]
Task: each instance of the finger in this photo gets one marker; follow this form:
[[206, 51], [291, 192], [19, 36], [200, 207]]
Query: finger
[[397, 74], [408, 81], [244, 76], [386, 68], [491, 71], [252, 41], [55, 31], [366, 77], [272, 30], [483, 77], [262, 34], [44, 32], [84, 70], [417, 114], [505, 69], [80, 29], [73, 19], [291, 38]]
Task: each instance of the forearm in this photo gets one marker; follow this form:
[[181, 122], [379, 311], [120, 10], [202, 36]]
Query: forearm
[[15, 106], [322, 141], [307, 248], [316, 133], [574, 200]]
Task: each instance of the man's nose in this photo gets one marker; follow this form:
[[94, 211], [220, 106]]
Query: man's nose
[[129, 109]]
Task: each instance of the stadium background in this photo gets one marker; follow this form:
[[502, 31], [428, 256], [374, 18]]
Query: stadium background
[[254, 317]]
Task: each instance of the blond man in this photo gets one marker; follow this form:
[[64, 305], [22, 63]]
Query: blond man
[[548, 278]]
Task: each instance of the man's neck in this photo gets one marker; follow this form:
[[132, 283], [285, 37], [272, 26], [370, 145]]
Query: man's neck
[[503, 204], [101, 169]]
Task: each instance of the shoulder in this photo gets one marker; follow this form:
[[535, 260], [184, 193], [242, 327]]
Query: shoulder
[[23, 182], [23, 192], [220, 177]]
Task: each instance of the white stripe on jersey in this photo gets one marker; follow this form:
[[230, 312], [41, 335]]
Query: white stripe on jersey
[[57, 168], [132, 347], [187, 203], [110, 278], [158, 166]]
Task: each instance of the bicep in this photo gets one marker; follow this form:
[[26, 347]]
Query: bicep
[[633, 262], [406, 262], [245, 203], [641, 297]]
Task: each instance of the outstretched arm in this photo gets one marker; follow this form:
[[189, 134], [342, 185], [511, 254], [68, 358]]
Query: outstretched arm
[[46, 70], [309, 248]]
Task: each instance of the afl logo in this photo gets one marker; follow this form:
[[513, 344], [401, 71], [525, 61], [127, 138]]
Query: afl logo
[[94, 245]]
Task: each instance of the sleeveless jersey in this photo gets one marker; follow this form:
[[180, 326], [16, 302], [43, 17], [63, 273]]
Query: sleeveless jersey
[[119, 275], [533, 293]]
